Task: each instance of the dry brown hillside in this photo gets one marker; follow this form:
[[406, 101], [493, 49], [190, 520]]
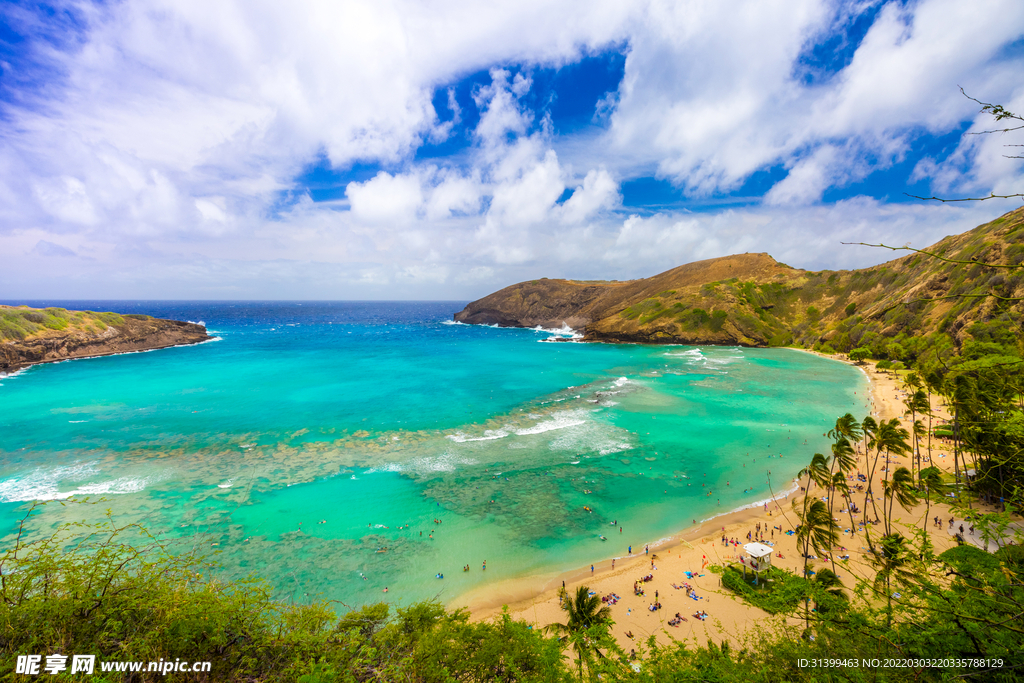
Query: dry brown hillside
[[753, 300]]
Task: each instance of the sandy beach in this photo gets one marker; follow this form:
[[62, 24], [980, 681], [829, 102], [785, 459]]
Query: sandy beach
[[536, 599]]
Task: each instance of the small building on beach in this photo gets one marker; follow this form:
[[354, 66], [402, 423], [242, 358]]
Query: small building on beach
[[759, 558]]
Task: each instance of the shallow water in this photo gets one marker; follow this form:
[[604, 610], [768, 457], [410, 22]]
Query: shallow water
[[339, 448]]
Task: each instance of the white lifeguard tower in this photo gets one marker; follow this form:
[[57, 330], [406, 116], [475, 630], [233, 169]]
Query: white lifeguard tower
[[759, 558]]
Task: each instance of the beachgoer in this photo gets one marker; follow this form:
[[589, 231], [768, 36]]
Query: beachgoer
[[591, 569]]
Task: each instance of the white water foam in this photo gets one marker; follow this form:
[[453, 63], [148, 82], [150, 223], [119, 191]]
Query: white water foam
[[558, 333], [569, 418], [45, 484], [446, 462], [12, 375], [489, 435]]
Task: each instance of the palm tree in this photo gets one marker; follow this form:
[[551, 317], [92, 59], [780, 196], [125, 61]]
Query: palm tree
[[830, 588], [930, 479], [846, 427], [817, 472], [892, 438], [585, 614], [917, 430], [817, 531], [901, 489], [917, 404], [893, 562], [839, 484], [932, 383], [868, 427]]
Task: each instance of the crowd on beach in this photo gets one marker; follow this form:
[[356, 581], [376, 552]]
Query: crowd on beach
[[683, 560]]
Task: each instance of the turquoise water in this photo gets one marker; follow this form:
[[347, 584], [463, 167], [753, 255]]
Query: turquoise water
[[339, 448]]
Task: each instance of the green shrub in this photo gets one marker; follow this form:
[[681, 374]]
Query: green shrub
[[718, 319], [777, 592]]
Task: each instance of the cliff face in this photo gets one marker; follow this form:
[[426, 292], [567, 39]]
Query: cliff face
[[753, 300], [32, 336]]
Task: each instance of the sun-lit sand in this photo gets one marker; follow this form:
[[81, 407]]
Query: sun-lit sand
[[536, 599]]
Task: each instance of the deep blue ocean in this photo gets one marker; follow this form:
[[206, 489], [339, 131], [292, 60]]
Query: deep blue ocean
[[335, 449]]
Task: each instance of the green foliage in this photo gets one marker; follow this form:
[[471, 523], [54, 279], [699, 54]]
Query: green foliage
[[718, 319], [20, 323], [859, 355], [694, 318], [646, 307], [117, 593], [777, 592]]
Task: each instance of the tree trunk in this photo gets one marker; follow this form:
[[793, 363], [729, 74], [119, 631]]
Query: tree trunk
[[930, 461], [956, 449]]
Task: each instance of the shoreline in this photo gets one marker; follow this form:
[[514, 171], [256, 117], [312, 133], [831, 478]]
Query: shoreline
[[484, 602], [686, 554]]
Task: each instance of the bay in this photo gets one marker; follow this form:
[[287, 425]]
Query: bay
[[335, 449]]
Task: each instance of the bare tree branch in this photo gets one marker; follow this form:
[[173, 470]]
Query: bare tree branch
[[969, 199], [1010, 266]]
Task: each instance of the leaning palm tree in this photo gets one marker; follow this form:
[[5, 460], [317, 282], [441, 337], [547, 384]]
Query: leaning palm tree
[[846, 427], [930, 481], [840, 486], [584, 614], [868, 427], [817, 531], [918, 404], [817, 472], [890, 437], [900, 488]]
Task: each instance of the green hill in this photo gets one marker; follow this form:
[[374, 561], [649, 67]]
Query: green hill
[[753, 300]]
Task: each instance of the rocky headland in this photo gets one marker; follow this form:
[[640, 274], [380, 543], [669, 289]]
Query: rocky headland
[[29, 336], [971, 279]]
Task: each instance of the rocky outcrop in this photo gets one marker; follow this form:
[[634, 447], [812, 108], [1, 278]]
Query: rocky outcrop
[[548, 303], [604, 311], [133, 333]]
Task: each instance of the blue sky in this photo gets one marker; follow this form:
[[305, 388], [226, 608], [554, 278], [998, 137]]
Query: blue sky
[[361, 150]]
